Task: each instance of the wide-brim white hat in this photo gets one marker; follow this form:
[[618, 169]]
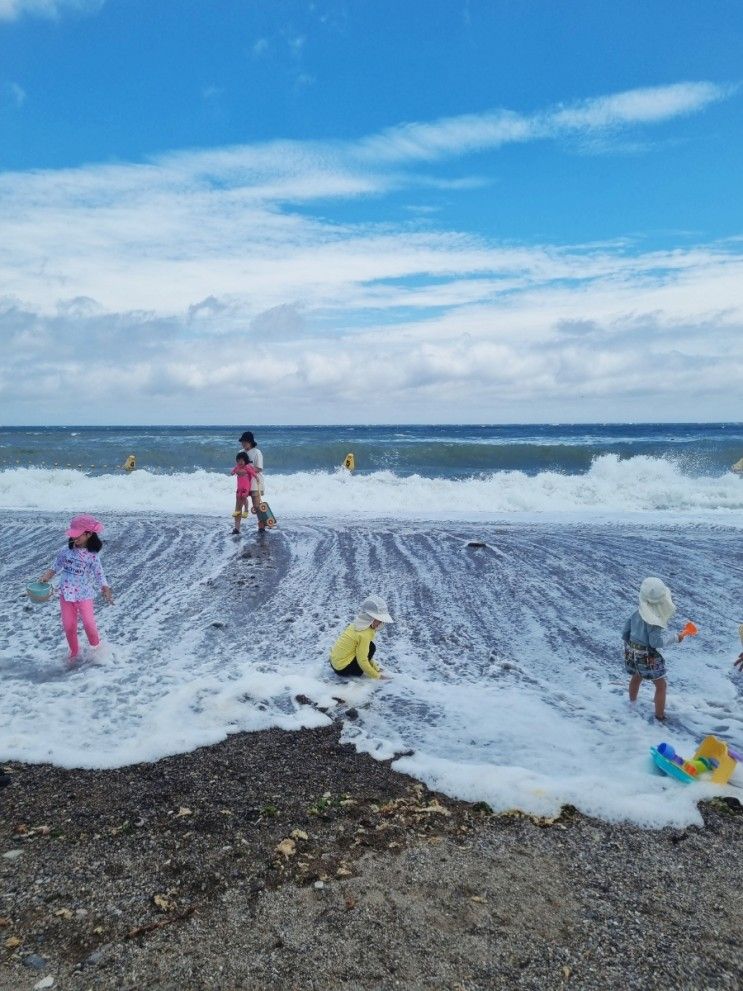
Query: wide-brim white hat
[[656, 604], [373, 607]]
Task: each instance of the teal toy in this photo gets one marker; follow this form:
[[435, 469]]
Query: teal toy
[[669, 766], [39, 591]]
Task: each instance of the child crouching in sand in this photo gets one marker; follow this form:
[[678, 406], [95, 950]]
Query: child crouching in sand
[[644, 634], [353, 651]]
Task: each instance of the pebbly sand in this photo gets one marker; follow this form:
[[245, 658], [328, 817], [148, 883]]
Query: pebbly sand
[[287, 860]]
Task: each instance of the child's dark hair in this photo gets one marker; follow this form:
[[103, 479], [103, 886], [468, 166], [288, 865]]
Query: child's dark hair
[[94, 543], [247, 438], [242, 456]]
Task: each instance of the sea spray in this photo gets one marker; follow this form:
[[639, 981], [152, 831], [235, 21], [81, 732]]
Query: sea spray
[[611, 485]]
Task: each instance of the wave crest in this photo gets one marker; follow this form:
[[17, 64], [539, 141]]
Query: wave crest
[[611, 485]]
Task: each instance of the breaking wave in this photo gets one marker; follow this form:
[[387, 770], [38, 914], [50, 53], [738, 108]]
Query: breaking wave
[[611, 485]]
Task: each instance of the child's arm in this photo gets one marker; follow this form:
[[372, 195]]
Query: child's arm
[[102, 583], [367, 665], [59, 562], [658, 637]]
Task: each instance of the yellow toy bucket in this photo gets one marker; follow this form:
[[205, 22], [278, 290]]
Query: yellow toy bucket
[[717, 749]]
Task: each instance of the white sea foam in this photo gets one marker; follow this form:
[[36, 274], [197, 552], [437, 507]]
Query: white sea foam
[[507, 679], [612, 485]]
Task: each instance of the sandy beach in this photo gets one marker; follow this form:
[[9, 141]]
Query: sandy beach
[[288, 860]]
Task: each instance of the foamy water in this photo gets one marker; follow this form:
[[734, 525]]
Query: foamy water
[[638, 484], [508, 684]]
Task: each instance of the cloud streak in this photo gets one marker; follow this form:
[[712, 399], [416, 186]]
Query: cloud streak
[[476, 132], [11, 10]]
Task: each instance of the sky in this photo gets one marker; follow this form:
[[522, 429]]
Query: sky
[[355, 211]]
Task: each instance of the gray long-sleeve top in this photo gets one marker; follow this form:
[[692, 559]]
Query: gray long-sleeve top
[[638, 631]]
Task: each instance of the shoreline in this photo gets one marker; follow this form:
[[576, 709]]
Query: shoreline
[[286, 858]]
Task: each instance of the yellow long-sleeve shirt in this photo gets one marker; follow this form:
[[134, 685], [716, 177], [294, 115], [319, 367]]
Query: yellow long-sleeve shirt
[[354, 644]]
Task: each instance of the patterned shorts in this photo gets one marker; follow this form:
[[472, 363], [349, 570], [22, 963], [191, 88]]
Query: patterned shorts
[[638, 659]]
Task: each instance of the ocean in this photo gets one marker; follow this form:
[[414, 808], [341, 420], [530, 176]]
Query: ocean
[[507, 683]]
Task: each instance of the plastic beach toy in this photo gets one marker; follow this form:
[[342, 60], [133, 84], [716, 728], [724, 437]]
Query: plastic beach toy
[[718, 751], [690, 630], [39, 591], [712, 755], [669, 766]]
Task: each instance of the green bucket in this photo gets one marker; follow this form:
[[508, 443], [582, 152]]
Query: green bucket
[[39, 591]]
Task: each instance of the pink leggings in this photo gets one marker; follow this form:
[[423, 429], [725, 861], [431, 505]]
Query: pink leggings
[[70, 612]]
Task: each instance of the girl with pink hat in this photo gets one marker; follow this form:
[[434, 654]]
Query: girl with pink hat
[[82, 577]]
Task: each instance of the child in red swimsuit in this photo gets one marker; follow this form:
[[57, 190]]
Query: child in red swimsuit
[[245, 474]]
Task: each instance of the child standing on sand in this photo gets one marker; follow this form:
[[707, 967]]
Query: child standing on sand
[[644, 635], [82, 576], [353, 651], [246, 474], [248, 444]]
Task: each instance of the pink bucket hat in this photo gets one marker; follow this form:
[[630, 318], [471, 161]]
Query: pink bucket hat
[[84, 523]]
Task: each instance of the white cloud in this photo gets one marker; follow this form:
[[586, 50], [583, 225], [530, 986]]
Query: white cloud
[[639, 106], [16, 94], [191, 277], [476, 132], [261, 46], [11, 10]]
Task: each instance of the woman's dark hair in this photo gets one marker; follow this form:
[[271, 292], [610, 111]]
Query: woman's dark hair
[[94, 543], [242, 456], [248, 438]]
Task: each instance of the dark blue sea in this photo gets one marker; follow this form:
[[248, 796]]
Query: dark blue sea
[[430, 451]]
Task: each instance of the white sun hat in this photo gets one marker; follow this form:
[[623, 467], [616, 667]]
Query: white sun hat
[[373, 607], [656, 605]]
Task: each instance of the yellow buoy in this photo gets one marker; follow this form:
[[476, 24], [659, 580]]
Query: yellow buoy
[[350, 461], [130, 464]]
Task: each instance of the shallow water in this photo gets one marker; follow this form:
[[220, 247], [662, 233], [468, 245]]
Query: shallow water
[[508, 684]]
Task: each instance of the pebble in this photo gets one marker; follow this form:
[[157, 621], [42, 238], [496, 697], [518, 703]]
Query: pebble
[[319, 885], [45, 982], [34, 961], [12, 854]]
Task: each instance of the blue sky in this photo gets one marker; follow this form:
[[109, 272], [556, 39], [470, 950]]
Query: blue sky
[[370, 211]]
